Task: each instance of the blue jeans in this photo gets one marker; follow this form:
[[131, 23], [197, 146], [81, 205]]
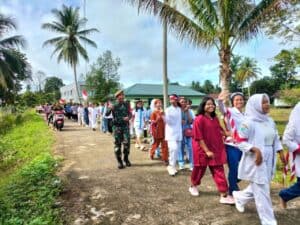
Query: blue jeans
[[104, 125], [291, 192], [233, 158], [186, 141]]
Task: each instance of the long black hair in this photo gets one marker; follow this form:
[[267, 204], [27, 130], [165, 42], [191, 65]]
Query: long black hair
[[201, 107]]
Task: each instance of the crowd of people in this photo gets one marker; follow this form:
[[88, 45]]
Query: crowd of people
[[246, 140]]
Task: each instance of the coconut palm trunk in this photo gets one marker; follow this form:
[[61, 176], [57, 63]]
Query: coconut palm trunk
[[225, 71], [165, 62], [76, 83]]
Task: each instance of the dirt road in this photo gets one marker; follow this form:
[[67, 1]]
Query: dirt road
[[96, 192]]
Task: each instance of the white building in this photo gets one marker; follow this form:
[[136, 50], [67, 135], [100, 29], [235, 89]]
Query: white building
[[68, 92]]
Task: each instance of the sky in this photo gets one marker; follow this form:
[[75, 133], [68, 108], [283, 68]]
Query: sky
[[136, 38]]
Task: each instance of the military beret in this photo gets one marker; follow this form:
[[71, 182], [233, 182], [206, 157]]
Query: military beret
[[119, 92]]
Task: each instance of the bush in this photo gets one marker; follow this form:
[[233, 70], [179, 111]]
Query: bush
[[291, 96]]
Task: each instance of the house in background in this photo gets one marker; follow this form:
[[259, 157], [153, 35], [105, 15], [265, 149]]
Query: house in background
[[68, 92], [147, 92], [279, 102]]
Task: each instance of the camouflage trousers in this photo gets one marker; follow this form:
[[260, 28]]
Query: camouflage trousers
[[122, 136]]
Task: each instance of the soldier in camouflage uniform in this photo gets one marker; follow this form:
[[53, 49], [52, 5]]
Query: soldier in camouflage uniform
[[121, 117]]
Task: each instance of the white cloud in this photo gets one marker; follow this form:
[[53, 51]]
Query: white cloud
[[135, 38]]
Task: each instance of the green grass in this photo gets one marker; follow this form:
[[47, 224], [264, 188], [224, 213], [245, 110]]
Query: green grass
[[281, 118], [28, 182]]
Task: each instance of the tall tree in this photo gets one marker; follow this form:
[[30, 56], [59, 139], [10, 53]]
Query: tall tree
[[214, 23], [285, 69], [52, 86], [39, 80], [247, 71], [72, 29], [103, 78], [13, 63]]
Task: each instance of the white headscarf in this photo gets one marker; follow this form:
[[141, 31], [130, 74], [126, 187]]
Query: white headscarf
[[152, 106], [295, 115], [254, 108]]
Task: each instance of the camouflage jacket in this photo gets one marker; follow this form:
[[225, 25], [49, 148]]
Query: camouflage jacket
[[121, 110]]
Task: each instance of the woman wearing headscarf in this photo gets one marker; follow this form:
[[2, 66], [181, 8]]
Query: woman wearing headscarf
[[158, 131], [233, 117], [291, 138], [259, 142]]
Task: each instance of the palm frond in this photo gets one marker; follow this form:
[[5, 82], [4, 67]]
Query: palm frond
[[88, 41], [82, 51], [6, 24], [13, 42], [205, 14], [184, 27], [87, 31], [53, 27], [250, 26], [52, 41]]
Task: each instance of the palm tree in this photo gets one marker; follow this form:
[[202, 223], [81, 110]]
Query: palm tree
[[13, 64], [247, 71], [68, 47], [214, 23]]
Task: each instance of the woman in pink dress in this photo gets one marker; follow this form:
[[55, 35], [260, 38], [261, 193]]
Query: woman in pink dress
[[209, 150]]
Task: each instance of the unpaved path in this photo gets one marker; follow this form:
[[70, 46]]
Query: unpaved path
[[96, 192]]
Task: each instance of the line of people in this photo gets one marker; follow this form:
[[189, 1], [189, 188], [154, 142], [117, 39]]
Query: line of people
[[249, 144]]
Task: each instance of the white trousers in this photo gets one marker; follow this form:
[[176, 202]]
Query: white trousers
[[174, 147], [94, 123], [79, 119], [261, 195]]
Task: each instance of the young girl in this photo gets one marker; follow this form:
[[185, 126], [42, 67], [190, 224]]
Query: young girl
[[259, 142], [233, 118], [291, 138], [158, 131], [139, 118], [209, 150], [187, 120]]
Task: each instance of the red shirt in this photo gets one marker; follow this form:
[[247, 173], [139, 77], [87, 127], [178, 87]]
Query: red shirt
[[209, 130]]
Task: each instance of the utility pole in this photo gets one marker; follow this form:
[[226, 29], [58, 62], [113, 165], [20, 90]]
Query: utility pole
[[165, 62]]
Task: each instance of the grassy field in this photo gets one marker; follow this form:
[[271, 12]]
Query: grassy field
[[281, 117], [28, 182]]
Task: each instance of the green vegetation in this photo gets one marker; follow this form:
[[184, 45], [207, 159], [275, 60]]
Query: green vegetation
[[281, 117], [28, 184]]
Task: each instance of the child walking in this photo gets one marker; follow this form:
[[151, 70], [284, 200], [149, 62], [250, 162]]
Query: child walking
[[209, 150], [139, 119]]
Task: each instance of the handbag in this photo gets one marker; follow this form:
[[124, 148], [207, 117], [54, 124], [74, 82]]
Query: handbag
[[188, 132]]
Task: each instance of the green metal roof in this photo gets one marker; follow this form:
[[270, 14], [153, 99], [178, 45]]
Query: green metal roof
[[157, 90]]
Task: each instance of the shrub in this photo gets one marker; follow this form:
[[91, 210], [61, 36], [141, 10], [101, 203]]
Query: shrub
[[291, 96]]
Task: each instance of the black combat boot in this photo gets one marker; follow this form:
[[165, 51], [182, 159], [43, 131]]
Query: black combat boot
[[126, 160], [120, 162]]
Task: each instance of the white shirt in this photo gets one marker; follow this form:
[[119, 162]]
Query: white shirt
[[291, 138], [232, 114], [139, 118], [173, 119], [264, 136]]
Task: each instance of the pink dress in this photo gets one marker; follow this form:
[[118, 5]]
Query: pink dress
[[209, 130]]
